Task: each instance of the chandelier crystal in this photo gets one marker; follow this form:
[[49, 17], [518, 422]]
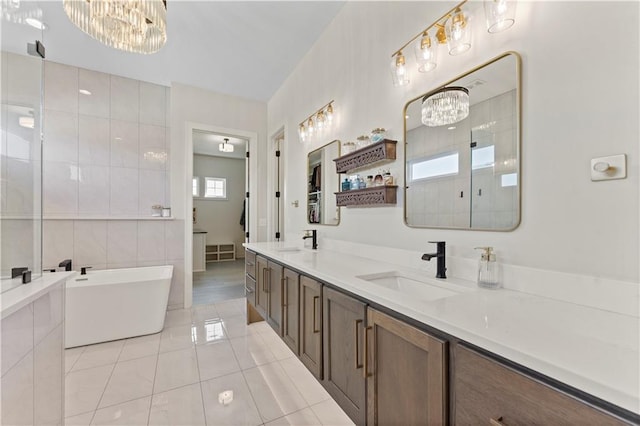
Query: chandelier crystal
[[137, 26], [445, 106]]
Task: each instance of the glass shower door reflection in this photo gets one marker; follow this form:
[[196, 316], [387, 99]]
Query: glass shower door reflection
[[21, 145]]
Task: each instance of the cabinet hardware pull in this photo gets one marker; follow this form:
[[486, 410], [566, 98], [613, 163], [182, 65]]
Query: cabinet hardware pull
[[355, 332], [285, 285], [494, 422], [315, 313], [365, 360], [285, 305], [266, 273], [250, 264]]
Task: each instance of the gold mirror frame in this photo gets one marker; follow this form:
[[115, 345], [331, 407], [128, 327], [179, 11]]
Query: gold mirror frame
[[327, 194], [518, 143]]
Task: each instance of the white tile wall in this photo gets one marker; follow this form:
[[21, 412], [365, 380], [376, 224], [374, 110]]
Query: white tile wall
[[124, 99], [95, 165], [32, 362], [98, 103], [115, 126], [93, 141]]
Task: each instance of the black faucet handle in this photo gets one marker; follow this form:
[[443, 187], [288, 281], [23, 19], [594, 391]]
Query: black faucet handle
[[83, 270]]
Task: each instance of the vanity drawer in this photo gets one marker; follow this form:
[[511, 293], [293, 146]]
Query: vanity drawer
[[490, 393], [250, 289], [250, 264]]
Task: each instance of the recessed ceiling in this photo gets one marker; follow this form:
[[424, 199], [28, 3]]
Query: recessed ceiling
[[242, 48]]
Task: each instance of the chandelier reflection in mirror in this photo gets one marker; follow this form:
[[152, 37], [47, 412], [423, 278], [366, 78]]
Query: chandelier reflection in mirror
[[137, 26], [445, 106], [453, 31]]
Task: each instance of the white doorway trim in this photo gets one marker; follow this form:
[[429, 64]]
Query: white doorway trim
[[252, 137]]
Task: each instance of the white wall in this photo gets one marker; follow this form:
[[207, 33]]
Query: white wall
[[580, 100], [221, 218]]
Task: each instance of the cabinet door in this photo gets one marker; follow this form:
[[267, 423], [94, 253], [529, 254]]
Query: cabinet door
[[275, 294], [262, 280], [343, 328], [407, 373], [487, 392], [250, 263], [311, 325], [291, 311]]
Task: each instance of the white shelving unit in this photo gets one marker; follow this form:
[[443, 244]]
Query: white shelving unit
[[220, 252]]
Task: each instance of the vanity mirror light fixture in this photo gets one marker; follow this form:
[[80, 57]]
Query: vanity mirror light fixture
[[317, 122], [454, 30]]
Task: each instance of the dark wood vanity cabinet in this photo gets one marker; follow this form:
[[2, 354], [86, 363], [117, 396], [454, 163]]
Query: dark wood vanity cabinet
[[407, 373], [274, 296], [291, 310], [383, 371], [262, 280], [268, 293], [343, 346], [490, 393], [311, 325]]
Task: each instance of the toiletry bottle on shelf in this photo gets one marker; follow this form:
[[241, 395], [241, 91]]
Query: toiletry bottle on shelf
[[488, 269], [346, 185]]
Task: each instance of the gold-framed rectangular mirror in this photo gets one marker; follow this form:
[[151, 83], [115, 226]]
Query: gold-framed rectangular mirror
[[322, 182], [462, 151]]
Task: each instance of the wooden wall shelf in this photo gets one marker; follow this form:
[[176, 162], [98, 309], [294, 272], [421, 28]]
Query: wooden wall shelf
[[375, 195], [379, 151]]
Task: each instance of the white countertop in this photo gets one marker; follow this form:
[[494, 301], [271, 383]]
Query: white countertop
[[590, 349], [20, 296]]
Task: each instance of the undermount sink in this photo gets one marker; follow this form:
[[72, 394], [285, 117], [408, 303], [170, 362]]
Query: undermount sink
[[288, 249], [421, 288]]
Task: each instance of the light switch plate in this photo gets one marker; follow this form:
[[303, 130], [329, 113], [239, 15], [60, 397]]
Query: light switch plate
[[608, 168]]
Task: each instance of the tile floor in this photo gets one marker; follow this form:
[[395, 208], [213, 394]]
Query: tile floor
[[176, 377], [221, 281]]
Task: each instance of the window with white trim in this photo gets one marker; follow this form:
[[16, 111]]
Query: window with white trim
[[215, 188]]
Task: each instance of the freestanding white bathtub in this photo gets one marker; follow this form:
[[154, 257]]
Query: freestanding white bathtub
[[115, 304]]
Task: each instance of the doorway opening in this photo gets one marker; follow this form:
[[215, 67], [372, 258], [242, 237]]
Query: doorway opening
[[219, 185]]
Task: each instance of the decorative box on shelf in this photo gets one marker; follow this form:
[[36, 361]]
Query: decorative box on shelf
[[379, 151], [368, 196]]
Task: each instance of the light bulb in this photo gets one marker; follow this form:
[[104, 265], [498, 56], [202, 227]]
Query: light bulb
[[426, 52], [458, 33], [302, 132], [329, 113], [310, 127], [399, 72], [320, 120], [499, 14]]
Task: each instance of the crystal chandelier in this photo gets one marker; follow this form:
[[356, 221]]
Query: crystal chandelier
[[138, 26], [447, 105]]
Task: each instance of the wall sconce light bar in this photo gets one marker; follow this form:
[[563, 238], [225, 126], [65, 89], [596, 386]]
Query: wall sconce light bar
[[438, 22], [321, 118], [453, 29]]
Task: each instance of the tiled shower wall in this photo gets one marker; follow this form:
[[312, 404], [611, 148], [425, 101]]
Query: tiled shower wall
[[106, 162]]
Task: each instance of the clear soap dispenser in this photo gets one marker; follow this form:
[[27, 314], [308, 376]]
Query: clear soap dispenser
[[488, 269]]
